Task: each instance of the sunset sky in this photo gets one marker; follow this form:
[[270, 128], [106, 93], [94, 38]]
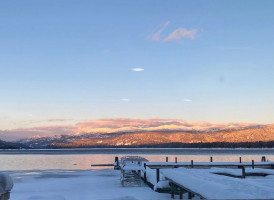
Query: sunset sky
[[63, 62]]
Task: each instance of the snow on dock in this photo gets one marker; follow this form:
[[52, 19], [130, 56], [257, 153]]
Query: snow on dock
[[238, 172], [209, 164], [208, 185], [213, 180], [202, 180], [131, 167]]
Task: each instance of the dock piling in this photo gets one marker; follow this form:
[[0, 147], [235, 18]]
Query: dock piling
[[172, 190], [252, 164], [181, 193], [263, 158], [175, 159], [145, 173], [189, 195], [116, 160], [166, 159], [211, 159], [240, 159], [191, 163], [157, 175], [243, 172]]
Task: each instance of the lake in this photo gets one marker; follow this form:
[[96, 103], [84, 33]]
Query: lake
[[81, 159]]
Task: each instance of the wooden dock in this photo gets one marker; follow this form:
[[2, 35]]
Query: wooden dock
[[206, 184], [182, 190], [179, 175], [155, 165]]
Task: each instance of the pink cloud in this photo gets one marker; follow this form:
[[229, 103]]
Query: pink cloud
[[175, 35], [131, 125], [156, 37], [117, 125], [47, 120], [181, 33], [43, 131]]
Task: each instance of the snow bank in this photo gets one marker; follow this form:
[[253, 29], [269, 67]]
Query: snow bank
[[6, 183], [151, 177], [161, 185]]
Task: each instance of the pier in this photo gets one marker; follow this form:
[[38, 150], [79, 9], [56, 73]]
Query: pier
[[155, 165], [199, 179]]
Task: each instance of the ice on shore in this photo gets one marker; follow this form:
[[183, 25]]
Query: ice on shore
[[71, 185]]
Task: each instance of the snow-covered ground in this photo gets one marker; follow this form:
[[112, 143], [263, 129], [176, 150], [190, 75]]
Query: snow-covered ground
[[105, 184], [71, 185]]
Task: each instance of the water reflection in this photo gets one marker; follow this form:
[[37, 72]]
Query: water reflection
[[84, 161]]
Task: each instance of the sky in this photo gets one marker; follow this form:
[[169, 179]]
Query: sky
[[64, 62]]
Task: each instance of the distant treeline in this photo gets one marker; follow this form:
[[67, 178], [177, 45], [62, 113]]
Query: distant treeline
[[258, 144], [12, 145]]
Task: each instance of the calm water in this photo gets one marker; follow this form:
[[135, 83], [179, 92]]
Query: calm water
[[81, 159]]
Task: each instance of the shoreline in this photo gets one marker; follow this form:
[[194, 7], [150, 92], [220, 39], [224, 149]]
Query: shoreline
[[143, 151]]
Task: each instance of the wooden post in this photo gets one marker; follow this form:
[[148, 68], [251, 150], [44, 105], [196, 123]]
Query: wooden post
[[145, 173], [181, 193], [175, 159], [116, 160], [263, 158], [191, 163], [252, 164], [172, 190], [240, 159], [157, 175], [211, 159], [189, 195], [166, 159], [243, 172]]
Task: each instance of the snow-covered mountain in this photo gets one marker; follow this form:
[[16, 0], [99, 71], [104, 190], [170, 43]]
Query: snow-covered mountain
[[138, 138]]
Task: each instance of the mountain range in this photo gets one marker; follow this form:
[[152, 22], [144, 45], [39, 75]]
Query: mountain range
[[247, 134]]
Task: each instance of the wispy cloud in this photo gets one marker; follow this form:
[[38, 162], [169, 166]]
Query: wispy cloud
[[137, 69], [125, 100], [175, 35], [156, 37], [187, 100], [47, 120], [180, 33]]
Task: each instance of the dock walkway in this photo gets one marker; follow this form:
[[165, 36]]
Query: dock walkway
[[204, 180], [131, 167], [155, 165], [207, 185]]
